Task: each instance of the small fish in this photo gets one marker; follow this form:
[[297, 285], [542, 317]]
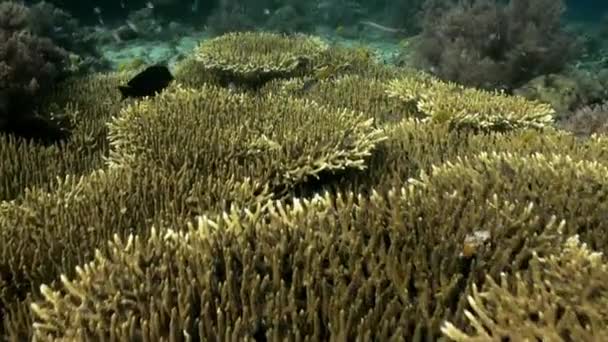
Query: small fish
[[382, 27], [194, 7], [150, 5], [116, 37], [97, 11], [147, 83], [132, 26]]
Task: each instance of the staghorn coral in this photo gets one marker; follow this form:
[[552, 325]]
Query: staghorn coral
[[328, 268], [562, 297], [554, 183], [356, 60], [461, 107], [376, 257], [251, 59], [79, 103], [298, 140], [151, 196], [61, 228], [366, 95], [154, 176], [414, 146], [333, 62], [191, 73]]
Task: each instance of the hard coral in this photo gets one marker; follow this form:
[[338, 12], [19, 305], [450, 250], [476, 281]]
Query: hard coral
[[487, 44], [251, 59], [561, 297], [462, 107]]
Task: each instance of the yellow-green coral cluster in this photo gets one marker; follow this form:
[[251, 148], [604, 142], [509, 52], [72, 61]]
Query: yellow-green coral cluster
[[447, 102], [222, 135], [546, 181], [363, 94], [562, 297], [323, 206], [27, 165], [318, 269], [254, 58]]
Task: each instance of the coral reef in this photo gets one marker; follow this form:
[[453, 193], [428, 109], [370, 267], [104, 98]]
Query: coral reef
[[314, 270], [366, 95], [488, 44], [567, 91], [29, 65], [251, 130], [79, 101], [460, 107], [340, 201], [40, 46], [562, 297], [252, 59], [587, 120], [46, 20]]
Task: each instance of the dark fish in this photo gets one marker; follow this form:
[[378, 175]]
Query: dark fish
[[36, 128], [148, 82]]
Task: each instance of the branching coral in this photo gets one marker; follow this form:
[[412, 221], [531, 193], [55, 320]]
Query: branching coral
[[562, 297], [350, 267], [251, 59], [461, 107], [266, 256]]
